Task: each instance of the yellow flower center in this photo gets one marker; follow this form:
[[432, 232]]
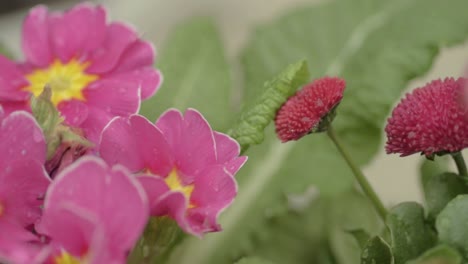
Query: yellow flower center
[[66, 81], [2, 208], [66, 258], [175, 184]]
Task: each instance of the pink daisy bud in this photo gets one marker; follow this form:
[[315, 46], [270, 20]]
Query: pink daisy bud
[[23, 182], [430, 119], [185, 167], [310, 110], [95, 69], [93, 214]]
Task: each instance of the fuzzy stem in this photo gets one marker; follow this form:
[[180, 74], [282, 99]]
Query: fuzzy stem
[[460, 162], [361, 179]]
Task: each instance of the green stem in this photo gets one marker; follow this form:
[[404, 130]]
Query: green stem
[[361, 179], [460, 162]]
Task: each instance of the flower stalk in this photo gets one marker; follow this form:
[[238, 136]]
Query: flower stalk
[[460, 163], [361, 179]]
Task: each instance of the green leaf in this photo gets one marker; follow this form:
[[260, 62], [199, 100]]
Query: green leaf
[[430, 168], [361, 236], [315, 230], [253, 260], [452, 224], [376, 251], [441, 189], [249, 130], [410, 233], [377, 46], [441, 254], [196, 74]]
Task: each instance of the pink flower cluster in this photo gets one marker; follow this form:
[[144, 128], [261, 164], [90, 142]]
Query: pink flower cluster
[[430, 120], [92, 206], [303, 112]]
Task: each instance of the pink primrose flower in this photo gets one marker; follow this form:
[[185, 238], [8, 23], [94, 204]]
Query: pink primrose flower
[[95, 69], [23, 183], [93, 213], [185, 167]]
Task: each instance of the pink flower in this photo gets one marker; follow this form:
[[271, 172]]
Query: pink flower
[[304, 112], [96, 70], [185, 167], [23, 181], [431, 120], [93, 214]]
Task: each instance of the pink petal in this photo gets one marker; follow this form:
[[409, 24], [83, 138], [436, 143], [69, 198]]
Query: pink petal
[[24, 184], [147, 79], [118, 38], [228, 150], [163, 201], [94, 124], [70, 227], [11, 82], [35, 37], [137, 55], [116, 97], [214, 188], [226, 147], [113, 196], [154, 187], [19, 246], [75, 112], [196, 150], [235, 164], [12, 106], [21, 138], [137, 144], [77, 31], [171, 124], [192, 141]]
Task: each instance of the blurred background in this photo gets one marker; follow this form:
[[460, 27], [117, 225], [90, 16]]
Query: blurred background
[[394, 178]]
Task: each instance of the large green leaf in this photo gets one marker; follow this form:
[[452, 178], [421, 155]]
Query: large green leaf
[[452, 224], [377, 46], [376, 251], [312, 230], [196, 74], [253, 260], [411, 234], [441, 254]]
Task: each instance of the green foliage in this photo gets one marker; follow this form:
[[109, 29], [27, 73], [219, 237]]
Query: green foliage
[[441, 189], [430, 168], [377, 46], [249, 130], [376, 251], [411, 235], [361, 237], [441, 254], [196, 74], [452, 224], [253, 260], [316, 228]]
